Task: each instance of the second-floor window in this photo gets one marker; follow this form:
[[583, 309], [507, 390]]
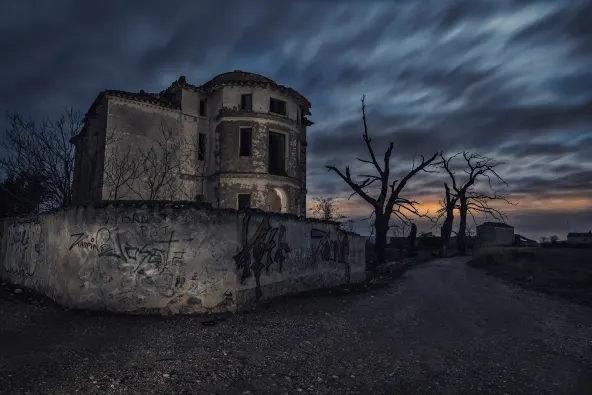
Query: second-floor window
[[277, 106], [247, 102], [245, 141], [201, 147], [202, 107], [277, 153]]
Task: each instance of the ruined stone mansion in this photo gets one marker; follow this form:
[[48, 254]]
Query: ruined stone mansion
[[237, 141]]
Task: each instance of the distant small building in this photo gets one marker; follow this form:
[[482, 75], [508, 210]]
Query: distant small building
[[495, 233], [522, 241], [579, 238]]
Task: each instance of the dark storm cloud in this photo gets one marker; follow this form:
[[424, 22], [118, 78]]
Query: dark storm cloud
[[509, 79], [574, 182]]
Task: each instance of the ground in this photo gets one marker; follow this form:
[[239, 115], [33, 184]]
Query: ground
[[562, 272], [442, 328]]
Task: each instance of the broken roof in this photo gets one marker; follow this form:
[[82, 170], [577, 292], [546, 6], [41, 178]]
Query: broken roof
[[244, 78], [165, 98], [496, 225]]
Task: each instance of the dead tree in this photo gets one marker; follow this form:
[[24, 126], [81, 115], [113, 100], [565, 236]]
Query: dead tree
[[468, 200], [160, 167], [324, 208], [411, 239], [123, 166], [43, 149], [389, 201], [446, 212]]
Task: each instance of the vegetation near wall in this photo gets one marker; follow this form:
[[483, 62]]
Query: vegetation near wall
[[563, 272]]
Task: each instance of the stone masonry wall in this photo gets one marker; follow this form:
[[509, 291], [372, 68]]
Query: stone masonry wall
[[179, 258]]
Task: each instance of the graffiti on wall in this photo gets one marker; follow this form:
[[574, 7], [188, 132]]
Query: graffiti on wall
[[158, 247], [24, 248], [265, 247], [336, 250], [141, 255]]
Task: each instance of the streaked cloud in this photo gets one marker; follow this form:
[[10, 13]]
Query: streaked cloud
[[508, 79]]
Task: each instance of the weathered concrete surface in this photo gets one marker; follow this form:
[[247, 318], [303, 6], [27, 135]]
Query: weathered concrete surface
[[442, 329], [174, 259]]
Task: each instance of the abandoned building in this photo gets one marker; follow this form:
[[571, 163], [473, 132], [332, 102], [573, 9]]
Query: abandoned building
[[237, 141], [575, 238], [495, 234]]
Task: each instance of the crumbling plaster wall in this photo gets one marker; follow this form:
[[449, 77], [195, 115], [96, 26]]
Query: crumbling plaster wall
[[248, 174], [140, 126], [90, 156], [174, 259]]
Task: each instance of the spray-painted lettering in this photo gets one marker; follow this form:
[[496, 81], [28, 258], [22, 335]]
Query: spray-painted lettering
[[330, 250], [25, 248], [258, 250]]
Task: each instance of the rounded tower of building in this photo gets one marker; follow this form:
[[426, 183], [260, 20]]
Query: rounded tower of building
[[259, 147]]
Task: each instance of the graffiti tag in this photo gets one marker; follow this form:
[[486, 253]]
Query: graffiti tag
[[330, 250], [258, 250]]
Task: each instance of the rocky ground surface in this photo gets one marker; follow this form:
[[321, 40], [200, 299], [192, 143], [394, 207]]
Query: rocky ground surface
[[442, 328]]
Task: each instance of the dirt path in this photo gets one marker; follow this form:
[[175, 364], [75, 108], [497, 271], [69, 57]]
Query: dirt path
[[444, 328]]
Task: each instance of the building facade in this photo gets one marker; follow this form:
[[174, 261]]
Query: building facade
[[495, 234], [575, 238], [237, 141]]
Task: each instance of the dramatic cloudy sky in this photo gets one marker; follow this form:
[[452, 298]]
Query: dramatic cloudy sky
[[512, 80]]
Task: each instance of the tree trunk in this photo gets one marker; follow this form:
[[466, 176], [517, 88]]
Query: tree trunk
[[445, 233], [381, 228], [411, 240], [462, 227]]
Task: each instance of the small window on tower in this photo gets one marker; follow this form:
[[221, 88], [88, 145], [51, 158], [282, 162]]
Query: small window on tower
[[247, 102], [277, 106]]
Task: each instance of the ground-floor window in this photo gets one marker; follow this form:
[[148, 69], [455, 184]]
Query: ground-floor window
[[244, 201]]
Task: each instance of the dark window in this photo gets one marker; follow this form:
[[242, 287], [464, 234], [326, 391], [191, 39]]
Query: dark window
[[247, 102], [277, 153], [201, 149], [244, 201], [245, 141], [277, 106], [202, 107], [200, 198]]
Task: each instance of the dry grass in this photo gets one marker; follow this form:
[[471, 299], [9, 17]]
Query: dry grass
[[562, 272]]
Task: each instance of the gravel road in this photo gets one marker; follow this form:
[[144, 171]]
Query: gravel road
[[443, 328]]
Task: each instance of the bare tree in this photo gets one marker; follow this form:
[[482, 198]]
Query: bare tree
[[553, 239], [468, 201], [544, 240], [324, 208], [389, 201], [43, 149], [160, 167], [123, 166]]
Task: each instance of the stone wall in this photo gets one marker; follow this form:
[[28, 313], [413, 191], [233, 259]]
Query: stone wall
[[174, 258]]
